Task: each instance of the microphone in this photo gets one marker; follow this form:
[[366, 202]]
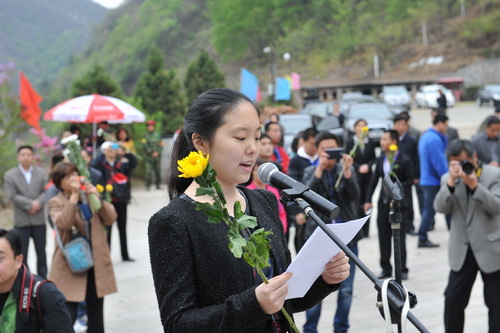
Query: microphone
[[269, 174]]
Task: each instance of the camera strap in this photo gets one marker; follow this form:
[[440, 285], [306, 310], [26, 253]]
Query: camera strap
[[479, 171]]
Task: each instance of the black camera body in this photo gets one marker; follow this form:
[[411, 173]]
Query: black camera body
[[334, 153], [467, 167]]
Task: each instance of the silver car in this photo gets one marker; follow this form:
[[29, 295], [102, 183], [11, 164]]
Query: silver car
[[426, 96], [397, 97], [378, 116]]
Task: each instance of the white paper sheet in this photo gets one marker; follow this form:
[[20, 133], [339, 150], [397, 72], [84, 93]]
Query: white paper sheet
[[315, 254]]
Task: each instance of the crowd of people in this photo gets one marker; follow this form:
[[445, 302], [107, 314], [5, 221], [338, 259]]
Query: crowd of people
[[63, 198], [202, 286]]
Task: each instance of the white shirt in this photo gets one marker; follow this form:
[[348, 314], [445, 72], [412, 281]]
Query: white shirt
[[26, 173]]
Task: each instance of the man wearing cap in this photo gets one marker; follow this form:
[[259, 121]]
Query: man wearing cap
[[153, 147]]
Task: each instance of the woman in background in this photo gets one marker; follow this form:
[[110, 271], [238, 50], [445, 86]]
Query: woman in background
[[255, 182], [364, 158], [64, 210]]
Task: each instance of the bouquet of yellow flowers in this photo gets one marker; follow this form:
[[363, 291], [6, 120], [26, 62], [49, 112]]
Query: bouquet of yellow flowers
[[255, 250], [105, 191], [73, 153]]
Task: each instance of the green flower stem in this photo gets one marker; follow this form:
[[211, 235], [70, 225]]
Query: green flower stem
[[352, 153], [283, 310]]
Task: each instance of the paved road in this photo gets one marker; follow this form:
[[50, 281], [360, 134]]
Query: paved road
[[134, 309]]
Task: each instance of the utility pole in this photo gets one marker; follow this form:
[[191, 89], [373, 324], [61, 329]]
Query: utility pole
[[424, 33]]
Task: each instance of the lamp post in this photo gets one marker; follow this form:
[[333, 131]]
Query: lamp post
[[287, 57], [272, 63]]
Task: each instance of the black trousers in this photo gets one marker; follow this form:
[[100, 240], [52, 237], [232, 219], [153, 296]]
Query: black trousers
[[457, 295], [121, 211], [95, 305], [39, 235], [385, 239]]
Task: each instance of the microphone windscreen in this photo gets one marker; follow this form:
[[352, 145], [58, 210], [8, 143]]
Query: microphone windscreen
[[264, 172]]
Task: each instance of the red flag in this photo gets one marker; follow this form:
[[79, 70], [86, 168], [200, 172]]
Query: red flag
[[30, 110]]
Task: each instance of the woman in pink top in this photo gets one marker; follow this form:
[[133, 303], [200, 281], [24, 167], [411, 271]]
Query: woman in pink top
[[257, 183]]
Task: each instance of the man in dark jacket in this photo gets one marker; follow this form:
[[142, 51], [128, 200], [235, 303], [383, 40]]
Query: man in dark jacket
[[322, 179], [409, 146], [402, 167], [29, 303]]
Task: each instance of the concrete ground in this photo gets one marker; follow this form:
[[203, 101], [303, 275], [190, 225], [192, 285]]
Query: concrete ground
[[134, 308]]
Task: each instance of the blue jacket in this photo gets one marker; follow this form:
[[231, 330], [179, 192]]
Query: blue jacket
[[432, 153]]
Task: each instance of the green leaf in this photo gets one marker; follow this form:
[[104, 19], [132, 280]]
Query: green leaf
[[237, 251], [236, 239], [201, 191], [237, 210], [218, 189], [204, 206], [246, 221]]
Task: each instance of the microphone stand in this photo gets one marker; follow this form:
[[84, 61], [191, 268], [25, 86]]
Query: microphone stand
[[396, 293]]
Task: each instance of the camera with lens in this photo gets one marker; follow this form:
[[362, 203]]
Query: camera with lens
[[467, 167]]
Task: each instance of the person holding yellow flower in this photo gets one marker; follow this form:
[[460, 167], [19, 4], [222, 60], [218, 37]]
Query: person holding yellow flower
[[200, 285], [394, 162], [364, 158]]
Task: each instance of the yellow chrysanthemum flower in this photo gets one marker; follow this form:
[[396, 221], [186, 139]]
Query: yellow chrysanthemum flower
[[144, 140], [109, 188], [99, 188], [365, 129], [393, 147], [193, 165]]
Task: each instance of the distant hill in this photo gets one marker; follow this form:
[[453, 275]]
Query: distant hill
[[39, 36], [329, 40]]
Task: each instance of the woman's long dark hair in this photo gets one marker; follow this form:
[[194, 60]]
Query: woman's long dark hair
[[205, 115]]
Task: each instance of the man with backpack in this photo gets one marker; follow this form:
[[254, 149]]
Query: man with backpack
[[28, 303]]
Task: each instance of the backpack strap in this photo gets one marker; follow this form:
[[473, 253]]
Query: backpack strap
[[27, 283], [112, 168], [36, 290], [29, 299]]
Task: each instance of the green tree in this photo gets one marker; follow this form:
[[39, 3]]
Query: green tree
[[243, 26], [202, 74], [96, 81], [151, 83], [10, 119], [159, 90]]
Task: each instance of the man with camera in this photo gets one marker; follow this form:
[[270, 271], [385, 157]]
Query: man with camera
[[322, 179], [470, 192]]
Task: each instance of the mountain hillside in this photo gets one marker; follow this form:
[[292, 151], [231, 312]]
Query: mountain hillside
[[40, 35], [329, 40]]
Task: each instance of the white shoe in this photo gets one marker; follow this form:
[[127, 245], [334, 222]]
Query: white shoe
[[79, 327]]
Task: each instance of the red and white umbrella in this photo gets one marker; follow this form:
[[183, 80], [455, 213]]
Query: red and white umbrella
[[94, 109]]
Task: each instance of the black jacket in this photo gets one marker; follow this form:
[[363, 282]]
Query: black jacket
[[124, 166], [200, 285], [409, 146], [404, 172], [347, 194], [47, 311]]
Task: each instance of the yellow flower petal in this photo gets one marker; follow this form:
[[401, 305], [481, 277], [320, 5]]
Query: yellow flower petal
[[193, 165], [109, 188], [393, 147], [365, 129], [99, 188]]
